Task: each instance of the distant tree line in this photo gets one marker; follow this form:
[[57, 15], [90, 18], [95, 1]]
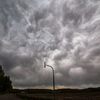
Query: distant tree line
[[39, 91], [5, 82]]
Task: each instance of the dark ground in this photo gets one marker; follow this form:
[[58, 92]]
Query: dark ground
[[69, 96], [59, 96], [8, 97]]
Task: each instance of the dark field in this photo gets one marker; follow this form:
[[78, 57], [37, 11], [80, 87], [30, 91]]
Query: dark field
[[68, 96]]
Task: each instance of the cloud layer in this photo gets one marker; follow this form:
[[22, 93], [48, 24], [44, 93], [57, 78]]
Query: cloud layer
[[63, 33]]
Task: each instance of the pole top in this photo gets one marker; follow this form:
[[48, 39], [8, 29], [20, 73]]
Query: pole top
[[44, 64]]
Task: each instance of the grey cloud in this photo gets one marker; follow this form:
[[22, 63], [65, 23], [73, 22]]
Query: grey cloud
[[90, 12], [40, 14], [61, 56], [30, 29]]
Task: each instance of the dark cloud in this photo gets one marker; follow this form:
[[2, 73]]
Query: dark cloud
[[63, 33]]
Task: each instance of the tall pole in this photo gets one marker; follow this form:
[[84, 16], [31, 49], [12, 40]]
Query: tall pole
[[53, 78], [54, 84]]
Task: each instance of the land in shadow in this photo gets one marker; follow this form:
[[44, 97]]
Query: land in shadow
[[60, 94]]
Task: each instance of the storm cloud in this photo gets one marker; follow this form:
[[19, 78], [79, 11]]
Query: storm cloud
[[64, 33]]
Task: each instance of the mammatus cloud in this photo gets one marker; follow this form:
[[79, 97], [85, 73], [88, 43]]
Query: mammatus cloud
[[64, 33]]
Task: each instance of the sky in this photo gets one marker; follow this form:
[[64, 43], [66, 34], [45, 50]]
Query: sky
[[64, 33]]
